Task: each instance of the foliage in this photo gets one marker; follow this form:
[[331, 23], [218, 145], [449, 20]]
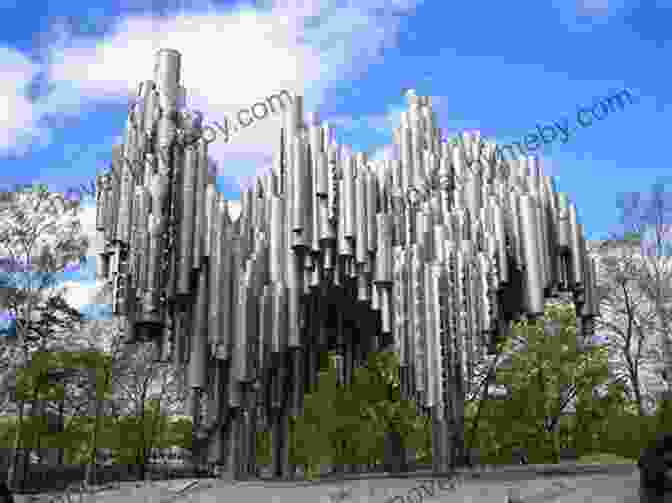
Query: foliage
[[561, 397], [130, 437], [123, 435], [544, 375], [102, 370], [347, 425], [40, 237], [264, 445], [605, 458], [34, 381]]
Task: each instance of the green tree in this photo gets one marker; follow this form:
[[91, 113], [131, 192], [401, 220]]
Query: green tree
[[40, 236], [349, 425], [131, 437], [546, 372]]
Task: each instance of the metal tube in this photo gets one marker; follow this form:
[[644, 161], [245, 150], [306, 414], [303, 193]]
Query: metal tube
[[575, 249], [197, 377], [362, 238], [200, 202], [372, 207], [349, 204], [125, 205], [226, 313], [187, 224], [300, 179], [216, 225], [533, 272], [211, 203], [278, 248]]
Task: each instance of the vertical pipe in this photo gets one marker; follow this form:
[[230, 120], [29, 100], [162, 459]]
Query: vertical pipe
[[575, 244], [299, 180], [362, 241], [188, 220], [348, 218], [200, 202], [533, 272], [197, 377]]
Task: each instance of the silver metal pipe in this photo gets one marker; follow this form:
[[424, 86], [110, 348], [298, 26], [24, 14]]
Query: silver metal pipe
[[533, 271]]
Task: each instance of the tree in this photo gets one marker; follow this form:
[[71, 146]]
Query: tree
[[627, 316], [378, 388], [134, 380], [546, 373], [636, 285], [40, 236], [350, 425], [140, 379], [99, 361], [481, 392]]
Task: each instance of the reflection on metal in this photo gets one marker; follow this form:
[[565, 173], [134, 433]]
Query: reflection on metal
[[431, 254]]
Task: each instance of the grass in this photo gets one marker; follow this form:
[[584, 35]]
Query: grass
[[605, 458]]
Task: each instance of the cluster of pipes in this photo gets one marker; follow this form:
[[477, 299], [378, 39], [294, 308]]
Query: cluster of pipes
[[431, 254]]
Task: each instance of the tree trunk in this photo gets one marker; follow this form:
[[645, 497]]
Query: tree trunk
[[395, 459], [90, 477], [141, 462], [12, 473], [143, 445], [155, 433], [638, 398], [91, 466], [61, 429], [481, 403], [28, 449]]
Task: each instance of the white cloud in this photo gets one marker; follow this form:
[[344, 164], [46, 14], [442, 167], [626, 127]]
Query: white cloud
[[584, 15], [19, 122], [80, 293], [230, 61], [87, 218], [234, 209], [381, 123], [593, 7]]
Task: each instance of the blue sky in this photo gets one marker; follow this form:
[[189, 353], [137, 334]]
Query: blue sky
[[500, 67]]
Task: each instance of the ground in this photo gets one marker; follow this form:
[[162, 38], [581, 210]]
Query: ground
[[494, 487]]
